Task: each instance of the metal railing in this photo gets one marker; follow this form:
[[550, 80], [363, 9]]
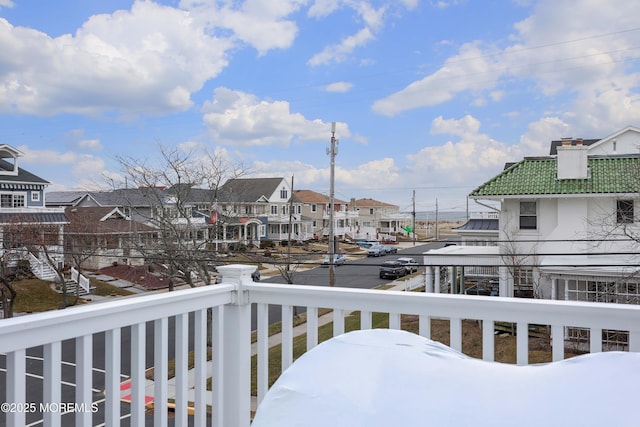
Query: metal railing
[[229, 306]]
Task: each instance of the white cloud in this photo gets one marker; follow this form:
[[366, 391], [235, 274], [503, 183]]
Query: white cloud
[[239, 118], [339, 87], [585, 54], [6, 3], [464, 72], [147, 59], [341, 51], [90, 144], [260, 24]]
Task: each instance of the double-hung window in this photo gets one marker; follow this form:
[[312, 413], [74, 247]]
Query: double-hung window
[[624, 212], [528, 216]]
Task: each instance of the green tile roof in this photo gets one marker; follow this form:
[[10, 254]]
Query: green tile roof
[[537, 176]]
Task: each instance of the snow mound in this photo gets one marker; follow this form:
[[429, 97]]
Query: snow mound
[[387, 378]]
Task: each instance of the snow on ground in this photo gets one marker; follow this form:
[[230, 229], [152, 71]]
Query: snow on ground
[[394, 378]]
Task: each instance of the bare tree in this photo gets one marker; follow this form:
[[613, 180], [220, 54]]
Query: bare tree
[[179, 207]]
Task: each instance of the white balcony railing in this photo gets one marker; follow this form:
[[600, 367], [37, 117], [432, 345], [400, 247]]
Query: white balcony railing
[[230, 304]]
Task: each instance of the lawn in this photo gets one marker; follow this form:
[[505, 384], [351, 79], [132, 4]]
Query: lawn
[[35, 295]]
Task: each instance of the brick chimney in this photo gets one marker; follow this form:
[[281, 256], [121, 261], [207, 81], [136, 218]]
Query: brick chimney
[[572, 160]]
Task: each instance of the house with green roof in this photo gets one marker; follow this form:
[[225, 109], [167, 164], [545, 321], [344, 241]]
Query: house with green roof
[[568, 224]]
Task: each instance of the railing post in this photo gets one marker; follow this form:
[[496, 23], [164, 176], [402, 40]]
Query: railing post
[[235, 354]]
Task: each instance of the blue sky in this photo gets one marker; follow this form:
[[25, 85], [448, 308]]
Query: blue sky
[[431, 96]]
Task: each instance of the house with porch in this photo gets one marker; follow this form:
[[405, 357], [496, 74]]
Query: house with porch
[[27, 226], [385, 218], [265, 208], [317, 208], [568, 226], [101, 236]]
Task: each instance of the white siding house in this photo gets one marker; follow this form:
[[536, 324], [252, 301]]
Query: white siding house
[[568, 225]]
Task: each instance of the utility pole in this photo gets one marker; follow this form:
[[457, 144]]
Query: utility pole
[[332, 153], [437, 231], [290, 226], [414, 217]]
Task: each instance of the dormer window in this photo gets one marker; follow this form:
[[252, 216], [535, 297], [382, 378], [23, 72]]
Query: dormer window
[[284, 193]]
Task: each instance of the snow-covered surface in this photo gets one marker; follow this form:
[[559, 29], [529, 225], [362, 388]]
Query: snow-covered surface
[[393, 378]]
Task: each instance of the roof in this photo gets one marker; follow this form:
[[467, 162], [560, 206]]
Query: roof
[[371, 202], [537, 176], [479, 224], [23, 176], [33, 218], [555, 144], [63, 198], [310, 196], [99, 219], [250, 190]]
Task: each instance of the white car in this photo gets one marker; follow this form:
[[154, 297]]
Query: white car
[[410, 264], [338, 259]]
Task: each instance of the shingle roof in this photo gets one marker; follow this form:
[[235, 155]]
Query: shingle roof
[[248, 190], [537, 176], [371, 202], [33, 218], [310, 196], [22, 177], [480, 224]]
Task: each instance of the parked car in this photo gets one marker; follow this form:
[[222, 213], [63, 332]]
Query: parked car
[[376, 250], [338, 259], [390, 249], [255, 276], [392, 269], [410, 264]]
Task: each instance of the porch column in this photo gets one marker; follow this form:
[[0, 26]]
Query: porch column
[[428, 283], [462, 279], [235, 354], [554, 290], [566, 289], [436, 282], [454, 280]]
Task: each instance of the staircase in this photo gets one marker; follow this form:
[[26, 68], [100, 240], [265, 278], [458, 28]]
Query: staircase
[[41, 268], [77, 284]]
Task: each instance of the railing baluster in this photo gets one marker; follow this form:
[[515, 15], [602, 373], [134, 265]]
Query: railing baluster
[[217, 375], [424, 325], [338, 322], [394, 321], [137, 373], [112, 377], [263, 350], [312, 327], [160, 371], [522, 343], [366, 320], [200, 367], [84, 378], [595, 340], [557, 342], [488, 340], [455, 333], [182, 381], [16, 387], [287, 336], [52, 378]]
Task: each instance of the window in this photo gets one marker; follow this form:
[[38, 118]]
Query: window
[[313, 208], [274, 210], [262, 230], [35, 196], [299, 209], [528, 218], [370, 211], [624, 212], [10, 200], [284, 193], [284, 209]]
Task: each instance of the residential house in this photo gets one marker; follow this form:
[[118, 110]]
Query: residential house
[[27, 227], [98, 237], [385, 218], [317, 208], [265, 208], [568, 225]]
